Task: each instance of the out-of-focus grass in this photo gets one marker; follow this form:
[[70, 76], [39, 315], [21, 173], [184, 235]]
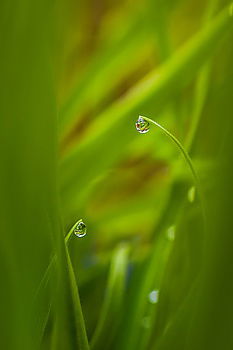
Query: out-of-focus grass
[[74, 78]]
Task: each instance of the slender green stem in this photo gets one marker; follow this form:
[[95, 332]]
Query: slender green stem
[[186, 157], [67, 238], [181, 148], [45, 279]]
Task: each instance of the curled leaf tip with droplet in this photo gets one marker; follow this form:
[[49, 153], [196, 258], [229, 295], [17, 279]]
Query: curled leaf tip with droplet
[[80, 229]]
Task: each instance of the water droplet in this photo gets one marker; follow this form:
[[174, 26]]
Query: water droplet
[[80, 229], [171, 233], [191, 194], [142, 125], [153, 296]]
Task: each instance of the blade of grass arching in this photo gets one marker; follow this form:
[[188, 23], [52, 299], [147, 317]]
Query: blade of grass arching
[[187, 159], [112, 305], [180, 147], [115, 124]]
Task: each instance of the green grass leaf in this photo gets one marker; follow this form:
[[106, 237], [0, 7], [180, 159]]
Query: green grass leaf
[[113, 301]]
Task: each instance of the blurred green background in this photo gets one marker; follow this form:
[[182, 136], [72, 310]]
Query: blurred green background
[[154, 270]]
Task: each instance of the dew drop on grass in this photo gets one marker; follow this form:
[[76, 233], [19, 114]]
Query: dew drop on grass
[[80, 229], [153, 296], [142, 125]]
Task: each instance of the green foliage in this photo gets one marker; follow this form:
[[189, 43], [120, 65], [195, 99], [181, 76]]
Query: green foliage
[[75, 76]]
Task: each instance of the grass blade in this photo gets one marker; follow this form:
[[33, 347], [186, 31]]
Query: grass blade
[[113, 301], [42, 288], [69, 329]]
